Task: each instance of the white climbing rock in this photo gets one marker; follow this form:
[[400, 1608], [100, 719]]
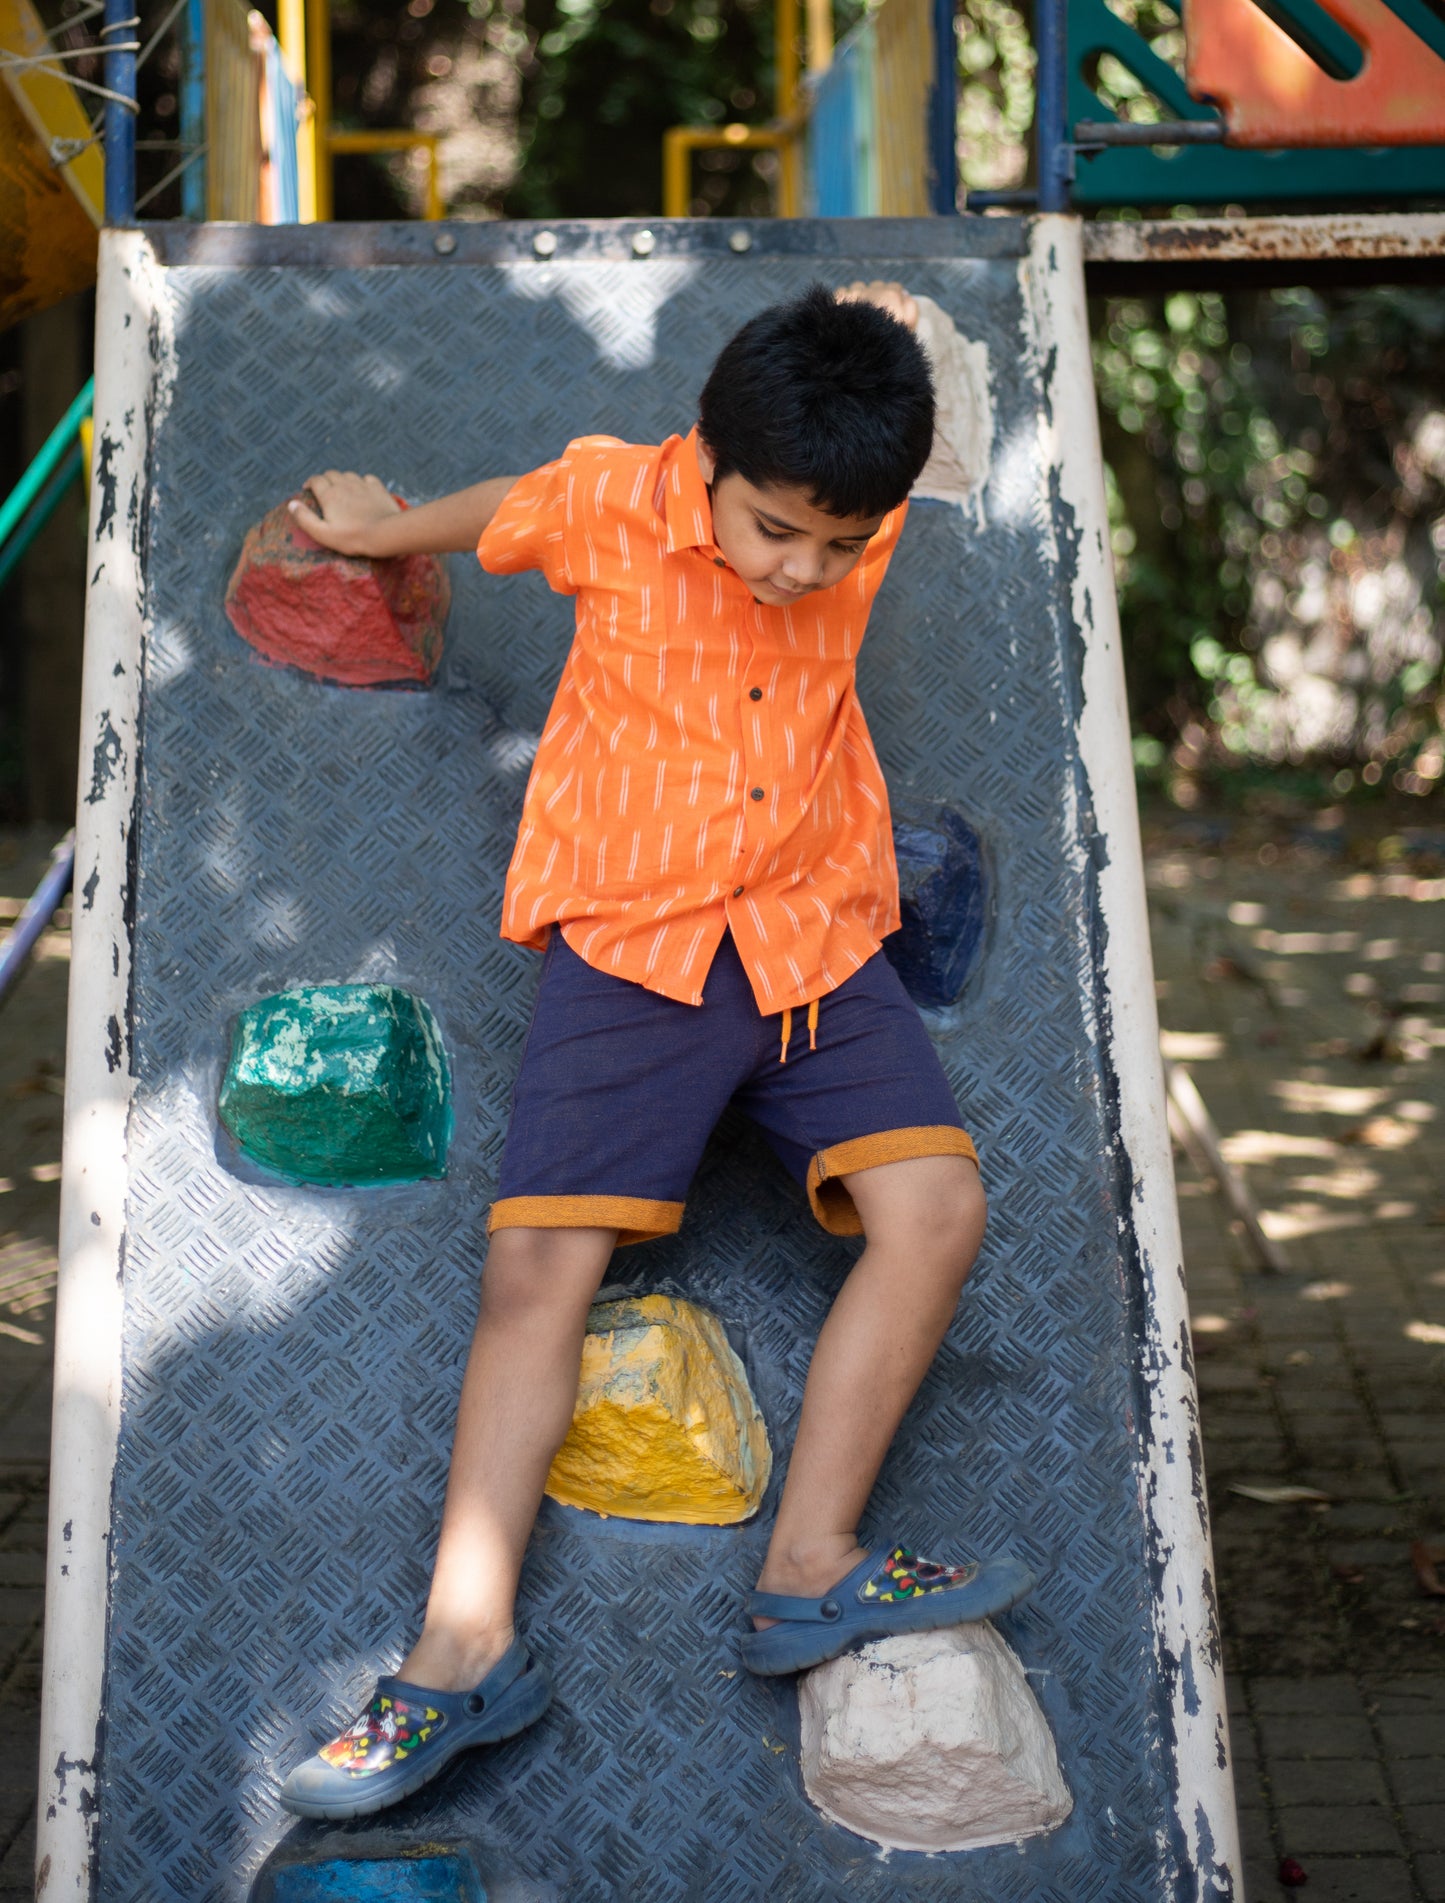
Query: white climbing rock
[[931, 1742]]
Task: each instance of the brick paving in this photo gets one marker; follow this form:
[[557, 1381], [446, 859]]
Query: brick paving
[[1302, 982], [1301, 976]]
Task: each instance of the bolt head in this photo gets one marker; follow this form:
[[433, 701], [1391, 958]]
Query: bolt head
[[740, 241], [544, 243], [444, 244], [644, 243]]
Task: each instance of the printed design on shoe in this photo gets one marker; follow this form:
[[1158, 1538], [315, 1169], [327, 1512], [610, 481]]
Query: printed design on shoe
[[386, 1733], [906, 1575]]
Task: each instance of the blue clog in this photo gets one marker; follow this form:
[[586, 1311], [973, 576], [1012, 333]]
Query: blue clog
[[408, 1735], [885, 1595]]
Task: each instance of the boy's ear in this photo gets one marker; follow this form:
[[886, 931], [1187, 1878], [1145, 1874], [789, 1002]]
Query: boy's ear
[[706, 460]]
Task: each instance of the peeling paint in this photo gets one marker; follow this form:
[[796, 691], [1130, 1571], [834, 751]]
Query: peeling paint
[[105, 483], [113, 1057], [104, 760], [88, 890]]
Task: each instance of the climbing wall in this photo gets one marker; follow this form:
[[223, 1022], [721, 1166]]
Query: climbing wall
[[257, 1382]]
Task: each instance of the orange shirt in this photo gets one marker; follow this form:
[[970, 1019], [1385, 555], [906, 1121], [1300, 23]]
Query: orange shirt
[[706, 764]]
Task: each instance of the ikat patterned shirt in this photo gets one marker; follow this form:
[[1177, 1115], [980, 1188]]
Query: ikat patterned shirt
[[705, 765]]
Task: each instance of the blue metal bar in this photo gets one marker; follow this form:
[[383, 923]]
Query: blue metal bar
[[1051, 126], [193, 108], [40, 908], [943, 113], [121, 22]]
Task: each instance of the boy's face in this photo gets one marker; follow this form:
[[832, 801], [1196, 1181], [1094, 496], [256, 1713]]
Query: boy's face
[[777, 540]]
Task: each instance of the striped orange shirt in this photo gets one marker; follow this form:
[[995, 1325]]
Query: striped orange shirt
[[705, 765]]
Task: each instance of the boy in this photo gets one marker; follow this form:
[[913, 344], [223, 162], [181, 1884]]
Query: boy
[[705, 851]]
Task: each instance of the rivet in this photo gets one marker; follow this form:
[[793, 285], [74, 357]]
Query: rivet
[[740, 240], [444, 244], [544, 243], [643, 244]]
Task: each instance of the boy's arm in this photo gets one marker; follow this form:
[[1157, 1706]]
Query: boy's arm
[[357, 515], [887, 294]]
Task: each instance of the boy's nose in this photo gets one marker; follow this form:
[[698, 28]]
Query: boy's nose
[[803, 567]]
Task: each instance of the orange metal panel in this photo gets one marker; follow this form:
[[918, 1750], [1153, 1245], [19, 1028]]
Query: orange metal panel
[[1273, 94]]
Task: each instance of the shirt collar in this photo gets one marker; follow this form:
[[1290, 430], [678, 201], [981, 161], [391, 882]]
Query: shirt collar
[[686, 505]]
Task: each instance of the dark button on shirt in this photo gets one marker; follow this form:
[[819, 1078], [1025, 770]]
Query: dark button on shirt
[[755, 693], [757, 792]]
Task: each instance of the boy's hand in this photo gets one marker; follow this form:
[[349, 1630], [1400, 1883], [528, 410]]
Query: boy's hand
[[348, 508], [888, 296]]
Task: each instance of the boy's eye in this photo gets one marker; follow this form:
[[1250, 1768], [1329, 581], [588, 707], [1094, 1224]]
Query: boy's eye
[[771, 535]]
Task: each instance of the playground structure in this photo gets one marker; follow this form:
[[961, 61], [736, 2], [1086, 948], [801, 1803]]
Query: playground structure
[[1293, 103], [197, 1299]]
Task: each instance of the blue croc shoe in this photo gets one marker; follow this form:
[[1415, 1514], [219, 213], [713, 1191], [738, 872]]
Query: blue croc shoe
[[887, 1594], [408, 1735]]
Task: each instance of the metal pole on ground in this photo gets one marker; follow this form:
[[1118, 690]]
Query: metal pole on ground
[[118, 37]]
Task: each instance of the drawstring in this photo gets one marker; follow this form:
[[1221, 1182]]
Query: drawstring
[[788, 1029]]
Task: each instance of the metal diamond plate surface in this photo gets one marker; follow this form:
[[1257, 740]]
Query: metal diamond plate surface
[[292, 1357]]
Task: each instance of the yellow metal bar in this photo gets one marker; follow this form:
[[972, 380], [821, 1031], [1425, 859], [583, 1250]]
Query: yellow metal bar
[[787, 57], [399, 139], [318, 74], [680, 142], [820, 36], [292, 22]]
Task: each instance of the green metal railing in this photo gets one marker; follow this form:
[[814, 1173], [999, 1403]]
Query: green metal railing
[[28, 507]]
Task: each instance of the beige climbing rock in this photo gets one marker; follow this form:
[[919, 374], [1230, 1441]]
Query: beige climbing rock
[[931, 1742]]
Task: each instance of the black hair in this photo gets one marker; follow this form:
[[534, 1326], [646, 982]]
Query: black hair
[[835, 399]]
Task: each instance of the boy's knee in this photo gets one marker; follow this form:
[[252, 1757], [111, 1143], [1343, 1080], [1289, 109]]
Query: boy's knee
[[931, 1206], [543, 1269]]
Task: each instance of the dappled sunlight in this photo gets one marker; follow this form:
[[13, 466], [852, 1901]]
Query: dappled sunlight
[[28, 1271], [1210, 1324], [1430, 1334], [1191, 1047], [1293, 944], [1390, 885], [1326, 1291], [1306, 1097], [1297, 1220], [1348, 1182], [1270, 1146]]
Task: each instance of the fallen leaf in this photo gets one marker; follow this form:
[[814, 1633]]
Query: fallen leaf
[[1427, 1560], [1281, 1496], [1292, 1873]]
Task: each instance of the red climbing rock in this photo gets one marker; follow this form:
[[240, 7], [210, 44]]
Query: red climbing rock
[[337, 617]]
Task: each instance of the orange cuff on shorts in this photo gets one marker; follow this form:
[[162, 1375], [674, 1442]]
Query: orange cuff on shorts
[[635, 1218], [832, 1204]]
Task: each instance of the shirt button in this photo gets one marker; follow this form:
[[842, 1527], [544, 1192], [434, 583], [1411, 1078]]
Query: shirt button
[[755, 693], [757, 793], [719, 561], [737, 892]]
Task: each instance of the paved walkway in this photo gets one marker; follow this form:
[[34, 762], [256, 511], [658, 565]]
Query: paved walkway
[[1302, 982]]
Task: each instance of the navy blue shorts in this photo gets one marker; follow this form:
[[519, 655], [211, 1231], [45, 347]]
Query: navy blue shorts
[[619, 1090]]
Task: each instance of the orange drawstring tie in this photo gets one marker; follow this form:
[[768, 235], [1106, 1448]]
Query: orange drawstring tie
[[788, 1029]]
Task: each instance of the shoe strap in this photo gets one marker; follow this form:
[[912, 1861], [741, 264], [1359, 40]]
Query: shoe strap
[[507, 1670], [777, 1605]]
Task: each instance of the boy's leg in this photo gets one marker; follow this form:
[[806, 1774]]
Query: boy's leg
[[923, 1218], [518, 1396]]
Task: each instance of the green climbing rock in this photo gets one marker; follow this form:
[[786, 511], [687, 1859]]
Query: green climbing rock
[[340, 1084]]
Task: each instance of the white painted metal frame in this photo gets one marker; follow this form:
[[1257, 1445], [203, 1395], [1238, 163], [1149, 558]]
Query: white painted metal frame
[[135, 370], [132, 380], [1171, 1474]]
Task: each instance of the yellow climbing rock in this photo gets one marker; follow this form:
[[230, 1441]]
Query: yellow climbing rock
[[666, 1427]]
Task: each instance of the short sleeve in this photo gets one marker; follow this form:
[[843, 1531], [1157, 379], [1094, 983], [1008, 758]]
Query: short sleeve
[[530, 528]]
